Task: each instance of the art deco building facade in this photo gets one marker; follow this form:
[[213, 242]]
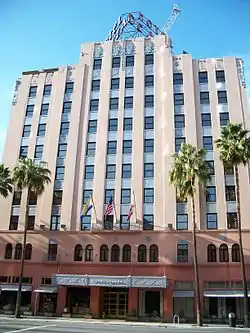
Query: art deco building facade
[[109, 125]]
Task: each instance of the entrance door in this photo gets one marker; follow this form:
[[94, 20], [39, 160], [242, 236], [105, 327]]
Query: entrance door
[[152, 303], [115, 302]]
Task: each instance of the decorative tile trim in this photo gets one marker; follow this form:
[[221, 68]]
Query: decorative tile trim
[[98, 51], [149, 46], [15, 96]]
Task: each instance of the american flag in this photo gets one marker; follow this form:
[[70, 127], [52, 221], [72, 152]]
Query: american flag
[[110, 206]]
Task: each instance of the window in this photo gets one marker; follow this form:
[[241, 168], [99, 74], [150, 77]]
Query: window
[[223, 253], [78, 253], [148, 170], [149, 123], [13, 222], [211, 194], [210, 166], [148, 222], [182, 252], [224, 118], [115, 253], [28, 252], [220, 76], [32, 92], [46, 280], [203, 77], [179, 121], [129, 82], [8, 251], [149, 101], [126, 171], [182, 221], [110, 171], [230, 193], [64, 128], [47, 90], [66, 107], [86, 223], [232, 221], [177, 78], [211, 253], [208, 142], [52, 251], [90, 150], [95, 85], [55, 222], [235, 253], [92, 126], [148, 145], [33, 198], [153, 253], [126, 253], [127, 124], [148, 195], [115, 84], [94, 105], [41, 130], [211, 220], [57, 198], [114, 103], [204, 97], [31, 222], [127, 147], [142, 253], [86, 195], [124, 222], [113, 124], [222, 97], [108, 222], [44, 110], [59, 173], [18, 251], [104, 253], [130, 61], [179, 99], [29, 110], [89, 253], [128, 102], [149, 59], [26, 131], [125, 196], [108, 194], [39, 151], [228, 169], [97, 64], [23, 151], [206, 120], [111, 149], [149, 81], [178, 143], [116, 61], [89, 172], [62, 149], [17, 198], [69, 87]]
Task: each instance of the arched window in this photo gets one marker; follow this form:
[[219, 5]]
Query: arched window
[[115, 253], [89, 253], [18, 251], [153, 253], [104, 253], [78, 253], [142, 253], [235, 253], [224, 257], [126, 253], [211, 253], [28, 252], [8, 251]]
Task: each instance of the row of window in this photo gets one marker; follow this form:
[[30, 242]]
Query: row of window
[[69, 87], [18, 251], [223, 253], [202, 77], [129, 61], [206, 121], [45, 109]]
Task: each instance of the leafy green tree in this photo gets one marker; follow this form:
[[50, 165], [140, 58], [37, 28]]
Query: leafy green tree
[[5, 181]]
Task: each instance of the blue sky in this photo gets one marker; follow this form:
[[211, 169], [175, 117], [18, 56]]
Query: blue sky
[[40, 34]]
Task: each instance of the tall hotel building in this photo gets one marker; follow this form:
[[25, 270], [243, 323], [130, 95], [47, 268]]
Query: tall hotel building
[[109, 125]]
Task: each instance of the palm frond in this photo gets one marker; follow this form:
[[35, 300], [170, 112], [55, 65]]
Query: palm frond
[[5, 181]]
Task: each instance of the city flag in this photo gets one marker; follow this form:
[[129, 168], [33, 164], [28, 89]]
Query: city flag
[[87, 207], [110, 206], [131, 211]]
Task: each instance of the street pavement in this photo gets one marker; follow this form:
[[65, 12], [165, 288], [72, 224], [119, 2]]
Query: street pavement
[[11, 325]]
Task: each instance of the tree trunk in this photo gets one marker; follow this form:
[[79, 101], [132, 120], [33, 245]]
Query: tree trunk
[[196, 269], [19, 292], [242, 259]]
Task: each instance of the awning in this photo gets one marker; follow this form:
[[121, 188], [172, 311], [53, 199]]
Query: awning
[[46, 289], [223, 293], [183, 293], [14, 287]]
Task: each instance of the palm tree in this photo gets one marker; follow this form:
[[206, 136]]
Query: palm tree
[[189, 170], [5, 181], [234, 148], [33, 177]]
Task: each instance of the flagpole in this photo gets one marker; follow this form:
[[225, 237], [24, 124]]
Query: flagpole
[[135, 207], [93, 207], [115, 211]]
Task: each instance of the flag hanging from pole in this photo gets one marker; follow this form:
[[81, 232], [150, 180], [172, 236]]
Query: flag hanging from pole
[[110, 206], [131, 211], [87, 208]]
